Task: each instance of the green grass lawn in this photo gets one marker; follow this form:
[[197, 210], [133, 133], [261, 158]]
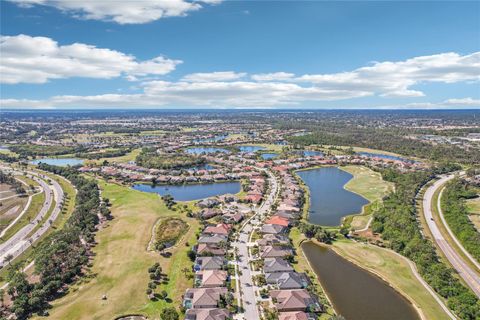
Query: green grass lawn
[[121, 261], [473, 206], [131, 156], [370, 185], [395, 270]]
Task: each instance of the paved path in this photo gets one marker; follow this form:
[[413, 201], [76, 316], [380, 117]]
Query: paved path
[[468, 274], [22, 240], [247, 287]]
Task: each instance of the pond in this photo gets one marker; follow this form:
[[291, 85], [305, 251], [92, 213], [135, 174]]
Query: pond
[[311, 153], [61, 162], [329, 201], [268, 156], [213, 139], [356, 293], [202, 150], [383, 156], [189, 192], [250, 148], [205, 166]]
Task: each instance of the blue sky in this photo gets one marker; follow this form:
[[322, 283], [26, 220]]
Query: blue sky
[[240, 54]]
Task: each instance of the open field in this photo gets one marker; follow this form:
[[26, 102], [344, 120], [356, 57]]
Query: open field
[[125, 158], [395, 270], [367, 183], [370, 185], [121, 262], [473, 206]]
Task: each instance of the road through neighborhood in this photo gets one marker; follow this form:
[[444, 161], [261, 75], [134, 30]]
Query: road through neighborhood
[[247, 287], [468, 274]]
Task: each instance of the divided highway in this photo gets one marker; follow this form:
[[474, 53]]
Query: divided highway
[[23, 239], [468, 274]]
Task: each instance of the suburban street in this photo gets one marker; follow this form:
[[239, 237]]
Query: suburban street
[[247, 287], [23, 239], [468, 274]]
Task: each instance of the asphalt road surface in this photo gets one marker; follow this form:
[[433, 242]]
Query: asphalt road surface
[[247, 287], [468, 274], [22, 240]]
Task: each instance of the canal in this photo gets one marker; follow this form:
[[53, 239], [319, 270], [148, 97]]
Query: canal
[[356, 293]]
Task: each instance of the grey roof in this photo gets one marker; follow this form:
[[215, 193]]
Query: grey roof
[[276, 265], [210, 263], [273, 229], [212, 239], [287, 280]]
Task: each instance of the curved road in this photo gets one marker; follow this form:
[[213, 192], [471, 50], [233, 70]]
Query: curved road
[[21, 240], [468, 274]]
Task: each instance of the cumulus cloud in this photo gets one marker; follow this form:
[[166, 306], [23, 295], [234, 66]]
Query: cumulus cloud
[[235, 89], [27, 59], [394, 79], [213, 76], [124, 11], [276, 76]]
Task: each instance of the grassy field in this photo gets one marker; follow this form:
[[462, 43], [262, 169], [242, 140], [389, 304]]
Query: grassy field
[[125, 158], [395, 270], [473, 206], [121, 262], [370, 185]]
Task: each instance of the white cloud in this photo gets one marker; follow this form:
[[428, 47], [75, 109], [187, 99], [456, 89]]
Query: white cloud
[[467, 102], [393, 79], [234, 89], [27, 59], [213, 76], [122, 11], [276, 76]]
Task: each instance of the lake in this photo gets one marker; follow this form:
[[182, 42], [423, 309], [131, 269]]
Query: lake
[[205, 166], [310, 153], [213, 139], [356, 293], [202, 150], [250, 148], [189, 192], [329, 201], [61, 162], [268, 156]]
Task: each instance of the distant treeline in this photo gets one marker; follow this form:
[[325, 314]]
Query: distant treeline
[[387, 139], [455, 212], [149, 158], [396, 221], [61, 257], [33, 150]]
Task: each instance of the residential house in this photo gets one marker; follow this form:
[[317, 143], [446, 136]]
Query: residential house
[[209, 314], [294, 300], [211, 278], [203, 298]]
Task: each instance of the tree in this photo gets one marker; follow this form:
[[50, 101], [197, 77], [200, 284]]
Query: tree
[[169, 314], [163, 295]]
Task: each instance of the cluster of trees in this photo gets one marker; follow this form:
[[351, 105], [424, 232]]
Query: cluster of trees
[[396, 220], [393, 140], [63, 255], [168, 232], [169, 201], [455, 212], [149, 158], [33, 150], [103, 154], [9, 179], [315, 231], [7, 158]]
